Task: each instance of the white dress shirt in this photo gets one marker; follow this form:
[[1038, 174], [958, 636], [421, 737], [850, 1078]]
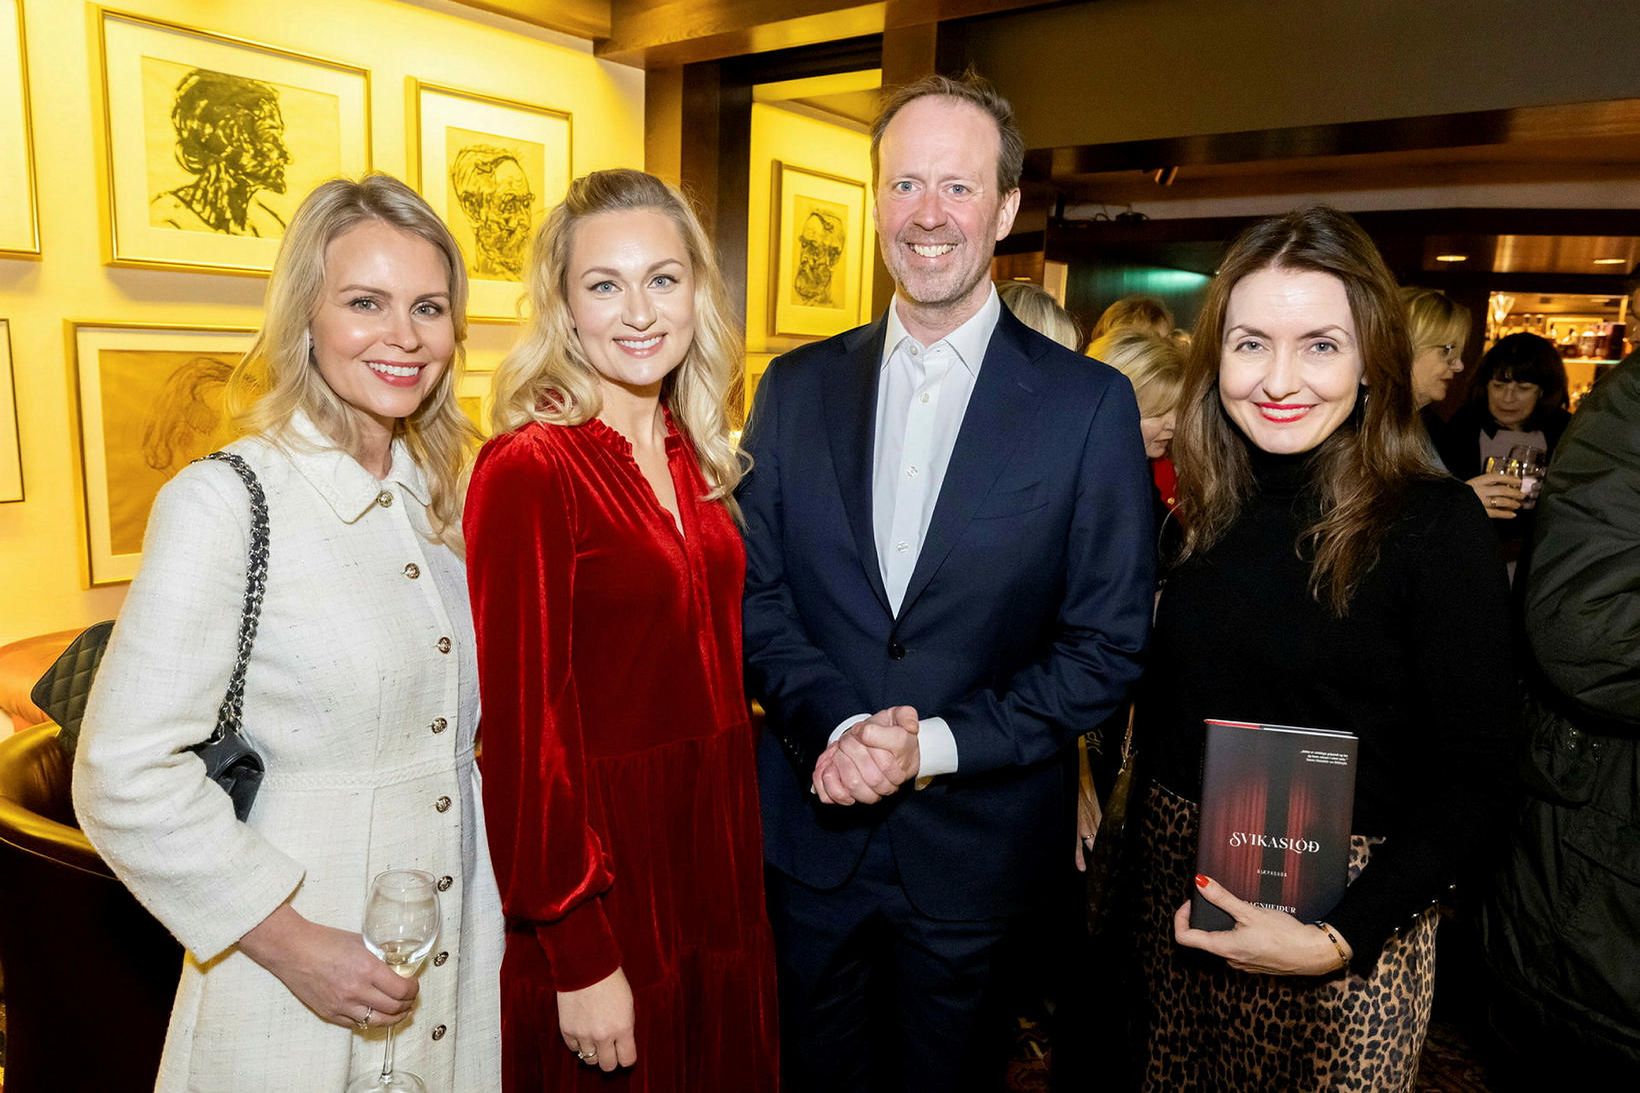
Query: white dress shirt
[[922, 395]]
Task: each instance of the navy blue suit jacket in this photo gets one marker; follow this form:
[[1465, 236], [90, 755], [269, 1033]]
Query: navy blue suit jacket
[[1022, 626]]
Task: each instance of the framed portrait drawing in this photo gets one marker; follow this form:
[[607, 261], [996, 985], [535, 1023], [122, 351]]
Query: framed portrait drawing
[[11, 448], [210, 143], [819, 258], [19, 211], [492, 168], [149, 401]]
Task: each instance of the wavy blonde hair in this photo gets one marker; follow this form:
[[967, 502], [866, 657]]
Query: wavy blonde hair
[[547, 376], [277, 376], [1037, 309], [1362, 470], [1152, 363]]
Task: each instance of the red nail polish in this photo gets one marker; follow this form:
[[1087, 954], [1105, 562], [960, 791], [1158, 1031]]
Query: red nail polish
[[1201, 881]]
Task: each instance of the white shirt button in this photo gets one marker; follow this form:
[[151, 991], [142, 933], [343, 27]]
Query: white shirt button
[[911, 472], [902, 546], [924, 398], [915, 349]]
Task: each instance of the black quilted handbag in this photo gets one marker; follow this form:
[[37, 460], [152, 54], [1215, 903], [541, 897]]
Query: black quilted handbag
[[229, 759]]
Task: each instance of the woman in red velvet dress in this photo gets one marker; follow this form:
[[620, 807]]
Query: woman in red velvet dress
[[618, 757]]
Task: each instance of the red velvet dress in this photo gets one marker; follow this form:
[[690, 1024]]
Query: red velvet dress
[[620, 781]]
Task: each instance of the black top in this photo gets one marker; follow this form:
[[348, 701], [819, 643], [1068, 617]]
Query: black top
[[1419, 670]]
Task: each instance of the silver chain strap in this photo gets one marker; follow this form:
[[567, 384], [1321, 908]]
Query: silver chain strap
[[228, 718]]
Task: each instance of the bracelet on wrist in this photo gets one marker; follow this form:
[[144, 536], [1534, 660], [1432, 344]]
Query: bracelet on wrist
[[1337, 942]]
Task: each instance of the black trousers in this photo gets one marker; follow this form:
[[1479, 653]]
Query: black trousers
[[877, 997]]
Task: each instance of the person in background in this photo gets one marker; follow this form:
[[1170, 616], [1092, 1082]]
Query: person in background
[[1562, 921], [606, 569], [361, 692], [1326, 580], [1518, 398], [1143, 312], [1155, 366], [1439, 327], [1041, 312]]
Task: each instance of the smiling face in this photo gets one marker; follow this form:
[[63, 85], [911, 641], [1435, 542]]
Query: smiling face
[[1290, 367], [938, 212], [383, 334], [631, 293]]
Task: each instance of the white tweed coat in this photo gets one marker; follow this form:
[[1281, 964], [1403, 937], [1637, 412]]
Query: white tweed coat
[[362, 698]]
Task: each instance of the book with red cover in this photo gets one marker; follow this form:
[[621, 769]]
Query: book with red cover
[[1277, 806]]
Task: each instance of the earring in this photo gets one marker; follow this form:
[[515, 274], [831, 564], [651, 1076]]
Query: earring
[[307, 339]]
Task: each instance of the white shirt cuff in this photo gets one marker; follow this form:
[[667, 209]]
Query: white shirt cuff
[[938, 748], [842, 727], [935, 744]]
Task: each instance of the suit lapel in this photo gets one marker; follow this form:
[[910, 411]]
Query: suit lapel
[[1005, 398], [851, 427]]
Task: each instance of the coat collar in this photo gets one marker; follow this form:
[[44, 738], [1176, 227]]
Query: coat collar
[[349, 489]]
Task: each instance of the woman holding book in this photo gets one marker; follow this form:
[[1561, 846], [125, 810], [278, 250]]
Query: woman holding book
[[1327, 579]]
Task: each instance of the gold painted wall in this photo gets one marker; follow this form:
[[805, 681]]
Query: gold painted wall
[[42, 556], [805, 141]]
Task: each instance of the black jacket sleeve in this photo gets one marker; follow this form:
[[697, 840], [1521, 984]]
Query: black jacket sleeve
[[1583, 595]]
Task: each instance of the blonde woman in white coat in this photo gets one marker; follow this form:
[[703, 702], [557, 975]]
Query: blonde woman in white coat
[[361, 693]]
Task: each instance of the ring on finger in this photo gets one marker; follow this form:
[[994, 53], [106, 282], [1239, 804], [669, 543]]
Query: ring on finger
[[364, 1022], [587, 1056]]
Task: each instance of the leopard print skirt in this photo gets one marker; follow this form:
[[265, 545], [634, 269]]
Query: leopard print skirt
[[1209, 1027]]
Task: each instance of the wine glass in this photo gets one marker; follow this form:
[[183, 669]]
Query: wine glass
[[1529, 462], [400, 926]]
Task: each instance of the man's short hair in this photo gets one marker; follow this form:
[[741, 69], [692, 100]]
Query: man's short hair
[[977, 91]]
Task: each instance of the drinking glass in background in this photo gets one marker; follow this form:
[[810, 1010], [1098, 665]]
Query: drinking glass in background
[[1528, 462], [400, 926]]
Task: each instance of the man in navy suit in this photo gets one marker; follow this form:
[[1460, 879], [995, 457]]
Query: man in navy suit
[[949, 576]]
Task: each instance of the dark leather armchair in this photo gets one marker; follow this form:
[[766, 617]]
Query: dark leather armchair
[[89, 974]]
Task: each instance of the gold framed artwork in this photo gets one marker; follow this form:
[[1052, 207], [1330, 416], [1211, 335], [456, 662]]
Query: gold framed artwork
[[819, 252], [210, 143], [19, 212], [475, 392], [492, 168], [11, 447], [149, 401]]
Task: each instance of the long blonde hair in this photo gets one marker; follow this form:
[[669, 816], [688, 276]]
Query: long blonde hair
[[1152, 363], [1362, 469], [547, 376], [277, 377]]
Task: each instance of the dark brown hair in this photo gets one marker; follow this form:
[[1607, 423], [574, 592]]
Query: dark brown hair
[[977, 91], [1522, 358], [1360, 471]]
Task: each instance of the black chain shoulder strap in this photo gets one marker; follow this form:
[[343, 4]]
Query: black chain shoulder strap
[[228, 718]]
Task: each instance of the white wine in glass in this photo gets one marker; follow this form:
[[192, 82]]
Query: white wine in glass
[[400, 926]]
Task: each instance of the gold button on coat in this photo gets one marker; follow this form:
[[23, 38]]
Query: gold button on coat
[[438, 1033], [438, 961], [439, 725], [412, 570], [385, 499], [444, 645], [442, 804], [444, 882]]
